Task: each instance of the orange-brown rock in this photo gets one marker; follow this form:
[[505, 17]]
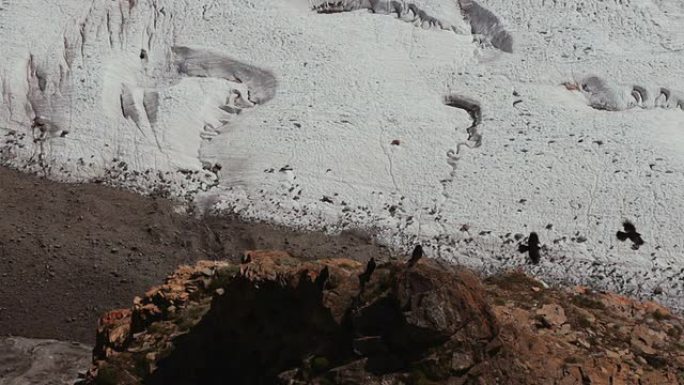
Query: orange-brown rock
[[274, 319], [113, 331]]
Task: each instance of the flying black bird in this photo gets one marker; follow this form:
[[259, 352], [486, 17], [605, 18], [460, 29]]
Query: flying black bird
[[631, 234], [366, 275], [416, 255], [532, 248], [322, 278]]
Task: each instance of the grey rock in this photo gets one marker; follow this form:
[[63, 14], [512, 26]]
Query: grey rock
[[25, 361]]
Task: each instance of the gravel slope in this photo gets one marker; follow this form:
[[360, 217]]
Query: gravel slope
[[70, 252]]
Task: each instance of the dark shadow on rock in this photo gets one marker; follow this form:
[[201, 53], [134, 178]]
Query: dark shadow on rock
[[250, 335], [259, 332]]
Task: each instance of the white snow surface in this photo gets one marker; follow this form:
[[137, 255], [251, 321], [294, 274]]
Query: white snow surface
[[277, 112]]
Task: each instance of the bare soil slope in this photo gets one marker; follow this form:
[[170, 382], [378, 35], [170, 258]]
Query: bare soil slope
[[70, 252]]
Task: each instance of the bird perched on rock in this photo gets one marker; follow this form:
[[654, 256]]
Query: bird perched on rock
[[416, 255], [366, 275], [246, 258], [532, 248], [322, 278], [631, 234]]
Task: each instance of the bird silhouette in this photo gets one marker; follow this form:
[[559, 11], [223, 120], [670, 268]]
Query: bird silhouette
[[322, 278], [366, 275], [631, 234], [532, 248], [416, 255]]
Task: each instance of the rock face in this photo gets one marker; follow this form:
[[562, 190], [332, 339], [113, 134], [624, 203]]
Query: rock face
[[274, 319], [26, 361]]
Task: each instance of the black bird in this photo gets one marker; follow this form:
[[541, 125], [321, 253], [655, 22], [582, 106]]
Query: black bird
[[246, 258], [322, 278], [416, 255], [532, 248], [366, 275], [631, 234]]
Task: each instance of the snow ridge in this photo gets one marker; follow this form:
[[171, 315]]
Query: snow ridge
[[602, 95], [484, 24]]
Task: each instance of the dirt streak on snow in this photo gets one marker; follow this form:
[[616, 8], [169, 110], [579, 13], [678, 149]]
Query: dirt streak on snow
[[282, 113]]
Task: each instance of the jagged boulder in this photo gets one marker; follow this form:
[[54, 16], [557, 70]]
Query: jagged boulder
[[274, 319]]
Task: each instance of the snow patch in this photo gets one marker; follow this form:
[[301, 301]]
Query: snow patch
[[277, 112]]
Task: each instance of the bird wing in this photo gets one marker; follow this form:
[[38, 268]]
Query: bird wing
[[629, 227]]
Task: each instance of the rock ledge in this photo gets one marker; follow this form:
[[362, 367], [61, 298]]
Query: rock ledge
[[275, 319]]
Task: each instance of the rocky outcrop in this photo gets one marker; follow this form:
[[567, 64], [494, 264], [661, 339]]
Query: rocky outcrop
[[25, 361], [276, 319]]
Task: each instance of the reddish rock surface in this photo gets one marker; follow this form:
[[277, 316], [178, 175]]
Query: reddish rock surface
[[274, 319]]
